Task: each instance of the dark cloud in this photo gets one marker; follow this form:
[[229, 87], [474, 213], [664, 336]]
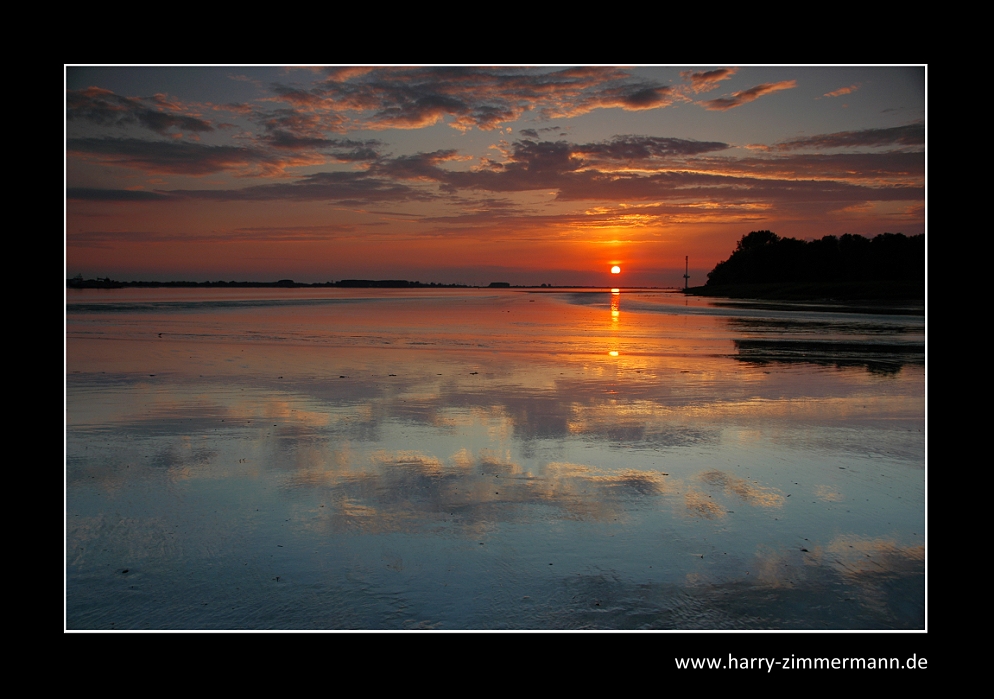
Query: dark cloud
[[105, 108], [485, 211], [907, 135], [429, 109], [540, 164], [531, 165], [358, 153], [632, 148], [561, 167], [420, 166], [173, 157], [295, 121], [289, 136], [697, 187], [106, 239], [745, 96], [485, 98], [705, 81], [842, 166], [295, 95], [549, 169], [625, 169], [534, 165], [630, 97], [93, 194], [346, 187], [236, 108], [591, 172], [262, 233], [343, 149]]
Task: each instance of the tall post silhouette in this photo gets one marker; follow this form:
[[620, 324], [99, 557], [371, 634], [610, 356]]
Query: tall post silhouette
[[686, 273]]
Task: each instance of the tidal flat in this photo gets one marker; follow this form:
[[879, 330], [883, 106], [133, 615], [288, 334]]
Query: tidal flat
[[490, 459]]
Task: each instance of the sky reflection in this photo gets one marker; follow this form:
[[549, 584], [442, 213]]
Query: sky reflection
[[366, 445]]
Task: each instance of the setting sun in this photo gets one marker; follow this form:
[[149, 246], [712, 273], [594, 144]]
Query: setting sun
[[616, 270]]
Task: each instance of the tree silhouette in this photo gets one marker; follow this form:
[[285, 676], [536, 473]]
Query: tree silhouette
[[763, 257]]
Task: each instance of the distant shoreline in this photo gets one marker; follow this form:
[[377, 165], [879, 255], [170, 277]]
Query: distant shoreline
[[851, 294], [107, 283]]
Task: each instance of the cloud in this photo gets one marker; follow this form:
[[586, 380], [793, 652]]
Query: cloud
[[537, 133], [535, 165], [172, 157], [907, 135], [624, 169], [296, 96], [269, 157], [288, 137], [420, 166], [129, 195], [897, 165], [548, 166], [280, 234], [639, 148], [842, 91], [294, 121], [745, 96], [345, 187], [707, 80], [235, 108], [339, 73], [484, 98], [590, 172], [628, 97], [683, 174], [105, 108], [702, 187], [342, 149]]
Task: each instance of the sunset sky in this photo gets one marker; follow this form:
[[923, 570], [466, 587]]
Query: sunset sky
[[478, 174]]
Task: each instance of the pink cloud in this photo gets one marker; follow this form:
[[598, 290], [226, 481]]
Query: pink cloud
[[745, 96]]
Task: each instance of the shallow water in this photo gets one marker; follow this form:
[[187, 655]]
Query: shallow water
[[479, 459]]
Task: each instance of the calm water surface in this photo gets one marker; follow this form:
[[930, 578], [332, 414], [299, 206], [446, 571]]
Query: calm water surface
[[479, 459]]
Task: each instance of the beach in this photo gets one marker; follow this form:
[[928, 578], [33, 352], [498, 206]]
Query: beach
[[462, 459]]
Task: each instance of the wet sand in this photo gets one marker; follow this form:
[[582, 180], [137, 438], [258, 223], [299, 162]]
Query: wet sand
[[481, 459]]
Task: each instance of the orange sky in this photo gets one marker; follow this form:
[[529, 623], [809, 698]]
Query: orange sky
[[471, 175]]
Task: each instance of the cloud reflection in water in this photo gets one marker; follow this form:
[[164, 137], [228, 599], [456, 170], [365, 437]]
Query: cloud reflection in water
[[488, 440]]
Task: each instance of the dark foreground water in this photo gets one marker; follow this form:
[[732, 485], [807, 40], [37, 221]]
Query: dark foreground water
[[374, 459]]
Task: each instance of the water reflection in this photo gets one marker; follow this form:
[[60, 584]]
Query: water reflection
[[880, 344], [353, 459], [883, 358], [615, 318]]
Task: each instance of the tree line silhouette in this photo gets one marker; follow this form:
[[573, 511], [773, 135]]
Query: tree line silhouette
[[763, 257]]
